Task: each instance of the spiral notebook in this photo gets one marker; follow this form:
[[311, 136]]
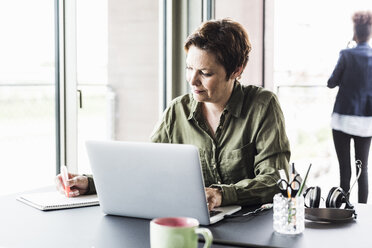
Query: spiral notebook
[[54, 200]]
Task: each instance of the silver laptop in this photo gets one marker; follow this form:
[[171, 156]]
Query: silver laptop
[[150, 180]]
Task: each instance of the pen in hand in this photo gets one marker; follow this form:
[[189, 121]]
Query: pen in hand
[[64, 174]]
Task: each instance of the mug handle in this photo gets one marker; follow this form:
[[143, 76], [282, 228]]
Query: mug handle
[[208, 237]]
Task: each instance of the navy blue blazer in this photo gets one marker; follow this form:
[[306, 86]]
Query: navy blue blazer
[[353, 75]]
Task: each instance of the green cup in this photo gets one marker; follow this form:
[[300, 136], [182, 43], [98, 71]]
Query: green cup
[[177, 232]]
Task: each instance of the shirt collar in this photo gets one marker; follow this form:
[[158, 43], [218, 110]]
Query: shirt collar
[[194, 107], [363, 44], [234, 104]]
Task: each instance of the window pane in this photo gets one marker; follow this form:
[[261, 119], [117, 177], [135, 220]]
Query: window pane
[[307, 45], [117, 52], [27, 95]]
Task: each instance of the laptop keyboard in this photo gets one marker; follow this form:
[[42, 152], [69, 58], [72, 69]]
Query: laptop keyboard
[[214, 212]]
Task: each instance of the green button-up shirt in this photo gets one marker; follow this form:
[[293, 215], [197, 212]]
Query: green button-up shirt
[[250, 144]]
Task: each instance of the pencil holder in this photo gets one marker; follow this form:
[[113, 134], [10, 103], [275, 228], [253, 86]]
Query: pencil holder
[[289, 214]]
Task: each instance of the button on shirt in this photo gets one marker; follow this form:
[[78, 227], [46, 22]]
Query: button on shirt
[[249, 146]]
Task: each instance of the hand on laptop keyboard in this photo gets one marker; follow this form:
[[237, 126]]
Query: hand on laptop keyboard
[[214, 197]]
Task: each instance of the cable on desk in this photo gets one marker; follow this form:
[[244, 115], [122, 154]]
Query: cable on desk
[[254, 212]]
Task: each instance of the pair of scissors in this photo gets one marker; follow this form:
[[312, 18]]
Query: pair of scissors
[[289, 189]]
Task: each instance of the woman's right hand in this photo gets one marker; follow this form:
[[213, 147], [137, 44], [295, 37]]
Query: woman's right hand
[[78, 184]]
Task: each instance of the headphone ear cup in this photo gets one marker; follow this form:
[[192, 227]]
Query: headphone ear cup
[[330, 197], [307, 197], [315, 197], [336, 197], [312, 196]]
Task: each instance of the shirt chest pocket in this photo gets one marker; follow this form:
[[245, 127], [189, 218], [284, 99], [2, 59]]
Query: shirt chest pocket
[[238, 164]]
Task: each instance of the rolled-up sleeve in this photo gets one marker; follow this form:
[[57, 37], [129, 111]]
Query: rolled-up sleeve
[[91, 185]]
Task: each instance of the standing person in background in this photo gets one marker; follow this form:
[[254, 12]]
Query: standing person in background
[[352, 113]]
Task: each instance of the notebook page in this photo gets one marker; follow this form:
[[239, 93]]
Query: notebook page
[[55, 200]]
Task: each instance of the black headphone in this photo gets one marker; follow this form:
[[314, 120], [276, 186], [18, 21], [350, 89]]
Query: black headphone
[[336, 197]]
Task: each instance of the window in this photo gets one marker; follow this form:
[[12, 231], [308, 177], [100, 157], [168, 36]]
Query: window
[[117, 71], [27, 95], [96, 99]]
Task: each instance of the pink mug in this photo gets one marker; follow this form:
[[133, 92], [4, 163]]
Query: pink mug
[[180, 232]]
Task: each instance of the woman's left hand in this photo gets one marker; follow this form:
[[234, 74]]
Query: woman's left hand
[[214, 197]]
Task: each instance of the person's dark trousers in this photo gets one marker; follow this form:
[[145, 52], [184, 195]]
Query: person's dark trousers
[[342, 145]]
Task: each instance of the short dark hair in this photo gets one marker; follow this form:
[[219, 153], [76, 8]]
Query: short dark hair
[[225, 38], [362, 25]]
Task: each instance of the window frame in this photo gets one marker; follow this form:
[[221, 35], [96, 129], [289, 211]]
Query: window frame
[[66, 85]]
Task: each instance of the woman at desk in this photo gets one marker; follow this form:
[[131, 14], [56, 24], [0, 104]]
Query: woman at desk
[[238, 129]]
